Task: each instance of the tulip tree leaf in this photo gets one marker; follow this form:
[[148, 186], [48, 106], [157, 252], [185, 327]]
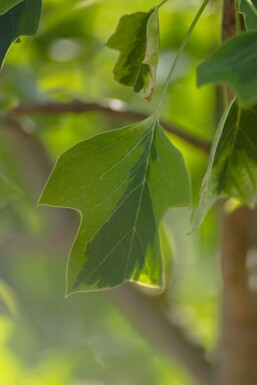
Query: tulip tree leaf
[[122, 182], [232, 170], [234, 62], [23, 19], [137, 39], [249, 9], [6, 5], [8, 191]]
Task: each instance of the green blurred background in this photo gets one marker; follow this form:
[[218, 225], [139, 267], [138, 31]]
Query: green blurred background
[[85, 339]]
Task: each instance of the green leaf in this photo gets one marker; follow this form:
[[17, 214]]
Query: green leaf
[[232, 170], [6, 5], [137, 39], [23, 19], [122, 182], [250, 13], [234, 62], [8, 191]]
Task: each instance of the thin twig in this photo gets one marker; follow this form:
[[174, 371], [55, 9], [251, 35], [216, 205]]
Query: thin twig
[[122, 112]]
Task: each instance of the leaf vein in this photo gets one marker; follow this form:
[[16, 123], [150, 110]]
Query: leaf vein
[[107, 256]]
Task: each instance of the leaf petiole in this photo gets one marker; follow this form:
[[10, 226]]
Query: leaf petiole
[[238, 19], [161, 4], [179, 54]]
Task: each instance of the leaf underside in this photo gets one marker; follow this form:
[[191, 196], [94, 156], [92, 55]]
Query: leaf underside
[[232, 170], [121, 182], [234, 62], [137, 39], [23, 19], [250, 16]]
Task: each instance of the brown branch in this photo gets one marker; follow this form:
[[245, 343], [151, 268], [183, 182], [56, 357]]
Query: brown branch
[[228, 20], [78, 107]]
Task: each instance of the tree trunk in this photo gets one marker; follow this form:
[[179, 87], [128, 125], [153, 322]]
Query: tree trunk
[[237, 361], [238, 346]]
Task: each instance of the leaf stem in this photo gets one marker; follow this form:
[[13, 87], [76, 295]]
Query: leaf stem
[[178, 56], [162, 3]]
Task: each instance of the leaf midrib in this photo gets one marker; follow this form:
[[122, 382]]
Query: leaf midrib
[[134, 230]]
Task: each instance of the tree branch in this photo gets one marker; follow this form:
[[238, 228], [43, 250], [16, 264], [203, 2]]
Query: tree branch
[[119, 110], [228, 20]]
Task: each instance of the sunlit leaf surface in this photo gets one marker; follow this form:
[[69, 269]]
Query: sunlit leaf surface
[[122, 182], [234, 62], [20, 20], [137, 39], [232, 167], [5, 5]]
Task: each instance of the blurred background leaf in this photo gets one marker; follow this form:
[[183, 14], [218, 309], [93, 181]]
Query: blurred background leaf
[[86, 339]]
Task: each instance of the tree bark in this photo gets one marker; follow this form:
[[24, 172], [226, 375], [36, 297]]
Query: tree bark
[[228, 28], [237, 361], [238, 346]]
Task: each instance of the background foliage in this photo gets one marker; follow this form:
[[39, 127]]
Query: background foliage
[[45, 339]]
